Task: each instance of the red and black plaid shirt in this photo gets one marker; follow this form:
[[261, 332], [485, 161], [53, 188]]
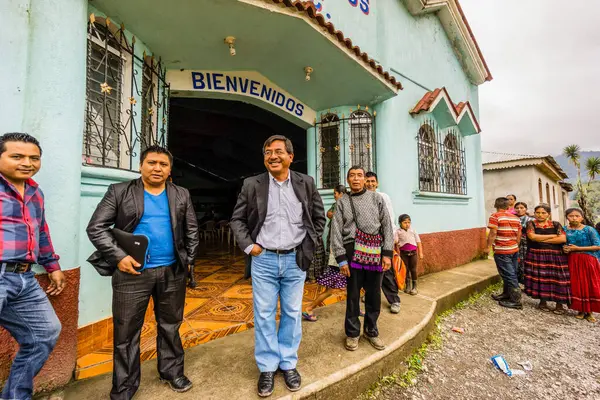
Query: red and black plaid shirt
[[25, 237]]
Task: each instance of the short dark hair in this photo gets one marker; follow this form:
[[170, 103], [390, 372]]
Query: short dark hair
[[403, 217], [18, 137], [515, 197], [340, 189], [544, 206], [289, 147], [371, 174], [156, 149], [520, 203], [574, 209], [353, 168], [501, 203]]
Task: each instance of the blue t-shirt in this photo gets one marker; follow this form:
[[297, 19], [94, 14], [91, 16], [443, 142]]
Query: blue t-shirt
[[156, 225]]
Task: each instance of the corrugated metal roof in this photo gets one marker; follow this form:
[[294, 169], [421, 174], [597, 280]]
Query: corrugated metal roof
[[490, 157]]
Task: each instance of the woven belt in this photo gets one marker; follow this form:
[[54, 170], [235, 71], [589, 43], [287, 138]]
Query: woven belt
[[18, 268]]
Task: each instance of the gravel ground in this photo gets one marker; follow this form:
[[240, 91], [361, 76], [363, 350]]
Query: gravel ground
[[564, 352]]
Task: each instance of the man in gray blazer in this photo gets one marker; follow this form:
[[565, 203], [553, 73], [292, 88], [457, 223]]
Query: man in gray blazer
[[277, 221]]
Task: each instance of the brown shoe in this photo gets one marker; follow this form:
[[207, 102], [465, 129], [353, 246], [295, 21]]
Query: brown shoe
[[375, 342], [351, 343]]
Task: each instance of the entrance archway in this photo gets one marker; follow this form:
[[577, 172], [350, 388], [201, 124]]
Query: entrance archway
[[217, 144]]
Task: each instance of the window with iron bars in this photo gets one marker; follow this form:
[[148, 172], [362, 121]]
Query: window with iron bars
[[361, 139], [330, 151], [341, 141], [442, 166], [126, 99]]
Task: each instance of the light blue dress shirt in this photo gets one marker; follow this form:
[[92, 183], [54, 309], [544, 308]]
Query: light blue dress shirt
[[283, 228]]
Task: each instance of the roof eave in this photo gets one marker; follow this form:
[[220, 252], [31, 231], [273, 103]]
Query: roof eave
[[459, 31]]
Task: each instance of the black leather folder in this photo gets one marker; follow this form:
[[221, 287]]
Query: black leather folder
[[134, 245]]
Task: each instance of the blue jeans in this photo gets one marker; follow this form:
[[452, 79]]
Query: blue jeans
[[507, 265], [277, 276], [26, 313]]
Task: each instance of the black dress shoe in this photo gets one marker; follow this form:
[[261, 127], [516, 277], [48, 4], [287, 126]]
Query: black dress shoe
[[179, 385], [266, 384], [511, 304], [292, 379], [501, 296]]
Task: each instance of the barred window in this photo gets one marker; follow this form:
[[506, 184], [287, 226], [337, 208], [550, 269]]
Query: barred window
[[104, 83], [429, 169], [548, 195], [361, 139], [118, 83], [454, 166], [330, 151], [442, 167]]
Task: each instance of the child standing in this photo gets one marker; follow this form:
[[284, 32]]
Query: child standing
[[408, 244]]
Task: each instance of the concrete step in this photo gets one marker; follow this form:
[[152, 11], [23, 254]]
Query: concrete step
[[225, 369]]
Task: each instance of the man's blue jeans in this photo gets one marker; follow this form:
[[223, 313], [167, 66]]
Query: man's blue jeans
[[507, 265], [277, 277], [27, 314]]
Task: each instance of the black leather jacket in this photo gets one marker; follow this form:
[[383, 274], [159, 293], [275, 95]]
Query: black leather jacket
[[122, 207]]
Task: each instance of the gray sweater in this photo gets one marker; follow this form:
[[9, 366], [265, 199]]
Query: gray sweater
[[372, 217]]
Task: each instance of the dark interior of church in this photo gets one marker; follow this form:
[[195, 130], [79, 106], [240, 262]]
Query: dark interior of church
[[218, 143]]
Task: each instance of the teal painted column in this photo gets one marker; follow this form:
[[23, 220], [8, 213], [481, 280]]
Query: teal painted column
[[54, 112], [14, 33]]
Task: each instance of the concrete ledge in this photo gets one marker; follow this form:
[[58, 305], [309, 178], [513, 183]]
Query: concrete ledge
[[225, 368]]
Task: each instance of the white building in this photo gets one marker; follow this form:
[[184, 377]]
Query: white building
[[534, 179]]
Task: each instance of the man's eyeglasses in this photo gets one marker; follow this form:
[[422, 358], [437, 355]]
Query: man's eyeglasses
[[278, 152]]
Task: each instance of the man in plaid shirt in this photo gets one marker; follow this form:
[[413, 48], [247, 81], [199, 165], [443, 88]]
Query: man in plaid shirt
[[25, 310]]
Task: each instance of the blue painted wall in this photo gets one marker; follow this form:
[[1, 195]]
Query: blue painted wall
[[48, 99]]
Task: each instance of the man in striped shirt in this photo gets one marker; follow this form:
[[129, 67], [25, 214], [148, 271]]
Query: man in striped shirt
[[505, 236]]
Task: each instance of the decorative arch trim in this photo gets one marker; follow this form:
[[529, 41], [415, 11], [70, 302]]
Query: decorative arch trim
[[461, 114]]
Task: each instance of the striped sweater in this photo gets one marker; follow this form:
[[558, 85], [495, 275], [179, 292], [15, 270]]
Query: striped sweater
[[372, 217]]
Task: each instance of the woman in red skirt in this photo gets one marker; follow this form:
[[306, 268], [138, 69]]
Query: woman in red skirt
[[583, 247]]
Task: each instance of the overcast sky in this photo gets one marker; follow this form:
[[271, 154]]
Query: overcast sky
[[544, 56]]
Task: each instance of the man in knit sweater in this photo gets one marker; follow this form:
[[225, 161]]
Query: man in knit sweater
[[373, 218], [389, 287]]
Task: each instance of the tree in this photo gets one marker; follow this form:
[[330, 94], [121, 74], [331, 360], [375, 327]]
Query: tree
[[572, 152]]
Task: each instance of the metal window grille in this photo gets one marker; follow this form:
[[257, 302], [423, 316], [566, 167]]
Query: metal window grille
[[442, 166], [330, 151], [340, 141], [120, 86], [361, 139]]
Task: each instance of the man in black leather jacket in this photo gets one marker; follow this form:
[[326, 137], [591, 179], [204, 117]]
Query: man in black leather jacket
[[163, 212]]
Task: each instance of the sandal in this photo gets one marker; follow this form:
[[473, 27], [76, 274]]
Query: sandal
[[544, 307], [590, 318], [309, 317], [560, 310], [580, 315]]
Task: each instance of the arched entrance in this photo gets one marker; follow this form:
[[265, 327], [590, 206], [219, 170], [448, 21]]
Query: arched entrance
[[217, 144]]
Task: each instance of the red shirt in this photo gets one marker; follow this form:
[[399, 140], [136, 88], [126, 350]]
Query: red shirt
[[23, 227], [508, 227]]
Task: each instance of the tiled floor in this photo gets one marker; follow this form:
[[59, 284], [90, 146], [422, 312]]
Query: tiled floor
[[220, 305]]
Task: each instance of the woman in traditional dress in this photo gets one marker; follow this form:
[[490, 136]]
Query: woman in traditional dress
[[521, 210], [583, 248], [546, 265], [331, 279], [512, 200]]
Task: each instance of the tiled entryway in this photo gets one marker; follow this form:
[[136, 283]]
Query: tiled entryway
[[220, 305]]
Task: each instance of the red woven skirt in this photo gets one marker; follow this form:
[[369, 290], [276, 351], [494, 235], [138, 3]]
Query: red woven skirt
[[585, 282]]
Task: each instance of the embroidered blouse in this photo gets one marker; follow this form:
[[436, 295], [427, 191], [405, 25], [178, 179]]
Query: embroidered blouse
[[584, 238]]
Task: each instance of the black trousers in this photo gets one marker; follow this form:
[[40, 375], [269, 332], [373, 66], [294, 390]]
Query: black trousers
[[389, 287], [131, 294], [371, 282], [411, 265]]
